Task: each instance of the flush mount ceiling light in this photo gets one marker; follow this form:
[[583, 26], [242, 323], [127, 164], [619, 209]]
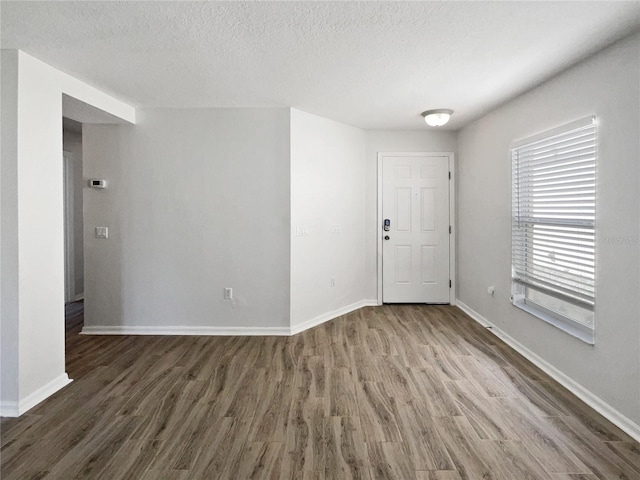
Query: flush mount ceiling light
[[437, 117]]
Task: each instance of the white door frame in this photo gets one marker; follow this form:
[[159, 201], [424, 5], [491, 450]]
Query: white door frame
[[452, 216], [69, 231]]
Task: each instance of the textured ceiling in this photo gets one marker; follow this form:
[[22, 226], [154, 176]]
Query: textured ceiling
[[367, 64]]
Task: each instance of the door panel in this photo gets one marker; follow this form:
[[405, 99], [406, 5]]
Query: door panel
[[403, 261], [415, 257], [428, 210], [428, 264], [403, 209]]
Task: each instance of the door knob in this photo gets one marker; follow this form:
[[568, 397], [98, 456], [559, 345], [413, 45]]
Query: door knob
[[386, 237]]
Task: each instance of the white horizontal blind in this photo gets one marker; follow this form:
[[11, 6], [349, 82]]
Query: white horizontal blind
[[554, 203]]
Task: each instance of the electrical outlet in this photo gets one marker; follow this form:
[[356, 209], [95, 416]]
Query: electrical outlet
[[228, 293], [302, 231], [102, 232], [491, 290], [336, 228]]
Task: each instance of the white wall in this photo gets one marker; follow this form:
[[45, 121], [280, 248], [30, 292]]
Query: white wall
[[327, 190], [9, 310], [424, 140], [197, 200], [32, 226], [158, 171], [72, 143], [606, 85]]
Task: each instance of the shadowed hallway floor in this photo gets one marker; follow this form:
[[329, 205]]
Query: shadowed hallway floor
[[394, 392]]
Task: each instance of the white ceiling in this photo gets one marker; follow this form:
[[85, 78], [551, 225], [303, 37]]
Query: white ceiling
[[374, 65]]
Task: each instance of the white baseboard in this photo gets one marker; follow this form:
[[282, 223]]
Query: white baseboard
[[225, 331], [595, 402], [15, 409], [325, 317], [181, 330]]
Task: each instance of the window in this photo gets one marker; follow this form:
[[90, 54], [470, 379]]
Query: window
[[553, 227]]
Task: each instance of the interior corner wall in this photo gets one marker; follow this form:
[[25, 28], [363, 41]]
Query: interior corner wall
[[377, 141], [328, 204], [606, 85], [32, 226], [196, 200]]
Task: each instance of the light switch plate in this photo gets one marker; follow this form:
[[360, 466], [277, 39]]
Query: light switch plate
[[102, 232]]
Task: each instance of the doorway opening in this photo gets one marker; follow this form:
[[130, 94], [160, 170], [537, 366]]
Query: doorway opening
[[73, 223]]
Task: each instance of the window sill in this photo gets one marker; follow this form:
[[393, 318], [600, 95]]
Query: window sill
[[586, 335]]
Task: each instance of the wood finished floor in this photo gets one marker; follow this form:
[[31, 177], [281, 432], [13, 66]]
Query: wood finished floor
[[392, 392]]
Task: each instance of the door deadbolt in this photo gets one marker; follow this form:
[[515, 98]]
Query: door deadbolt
[[386, 237]]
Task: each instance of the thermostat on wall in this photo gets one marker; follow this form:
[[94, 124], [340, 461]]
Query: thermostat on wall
[[97, 183]]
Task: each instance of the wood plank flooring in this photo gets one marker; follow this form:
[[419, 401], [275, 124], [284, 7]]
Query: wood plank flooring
[[409, 392]]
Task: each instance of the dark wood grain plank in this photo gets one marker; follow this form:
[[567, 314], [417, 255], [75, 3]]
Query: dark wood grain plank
[[484, 414], [541, 439], [438, 475], [510, 459], [397, 391], [342, 395], [390, 461], [464, 448], [600, 460], [345, 451], [261, 461], [419, 433], [377, 411]]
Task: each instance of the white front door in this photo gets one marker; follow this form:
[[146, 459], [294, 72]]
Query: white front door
[[415, 248]]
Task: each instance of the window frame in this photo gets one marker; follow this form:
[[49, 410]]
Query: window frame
[[524, 283]]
